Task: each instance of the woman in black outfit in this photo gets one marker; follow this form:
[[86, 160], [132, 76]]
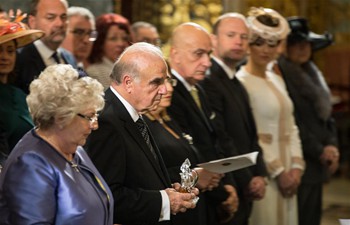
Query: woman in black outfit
[[175, 147]]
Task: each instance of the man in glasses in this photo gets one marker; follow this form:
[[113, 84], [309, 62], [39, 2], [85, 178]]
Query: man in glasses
[[145, 32], [81, 34]]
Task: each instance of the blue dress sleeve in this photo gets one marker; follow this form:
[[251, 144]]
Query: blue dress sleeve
[[29, 189]]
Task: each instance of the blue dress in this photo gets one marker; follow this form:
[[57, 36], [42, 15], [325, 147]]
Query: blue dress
[[39, 186]]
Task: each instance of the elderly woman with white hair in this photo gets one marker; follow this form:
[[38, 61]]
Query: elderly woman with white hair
[[273, 112], [48, 178]]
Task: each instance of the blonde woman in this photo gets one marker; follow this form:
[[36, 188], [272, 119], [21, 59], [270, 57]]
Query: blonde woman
[[48, 177]]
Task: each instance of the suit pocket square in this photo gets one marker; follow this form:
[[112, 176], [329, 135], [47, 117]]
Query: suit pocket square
[[212, 115]]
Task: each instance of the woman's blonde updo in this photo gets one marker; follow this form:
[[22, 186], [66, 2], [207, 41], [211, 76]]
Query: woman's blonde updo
[[59, 93]]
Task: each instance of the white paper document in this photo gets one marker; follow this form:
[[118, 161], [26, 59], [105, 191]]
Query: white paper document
[[231, 163], [344, 221]]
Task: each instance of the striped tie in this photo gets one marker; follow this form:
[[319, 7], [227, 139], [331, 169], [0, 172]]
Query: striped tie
[[145, 134]]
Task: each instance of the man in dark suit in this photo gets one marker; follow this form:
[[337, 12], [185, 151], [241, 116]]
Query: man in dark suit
[[230, 102], [49, 16], [127, 158], [189, 60]]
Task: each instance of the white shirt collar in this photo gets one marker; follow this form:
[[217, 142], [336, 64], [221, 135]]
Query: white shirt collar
[[131, 110], [230, 72], [45, 52], [181, 79]]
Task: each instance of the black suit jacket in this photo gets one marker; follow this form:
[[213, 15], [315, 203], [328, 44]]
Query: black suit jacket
[[194, 121], [314, 132], [236, 126], [123, 158], [229, 100], [198, 124], [29, 65], [174, 152]]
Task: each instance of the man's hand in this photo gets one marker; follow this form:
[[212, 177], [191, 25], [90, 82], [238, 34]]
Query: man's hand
[[231, 203], [180, 202], [208, 180], [330, 158], [256, 188], [229, 206]]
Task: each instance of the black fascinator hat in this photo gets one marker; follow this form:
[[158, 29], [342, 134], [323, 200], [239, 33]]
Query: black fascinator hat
[[300, 32]]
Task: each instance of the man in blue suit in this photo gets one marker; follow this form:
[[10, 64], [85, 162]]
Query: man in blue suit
[[49, 16]]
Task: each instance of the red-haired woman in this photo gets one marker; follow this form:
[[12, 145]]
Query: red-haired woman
[[113, 37]]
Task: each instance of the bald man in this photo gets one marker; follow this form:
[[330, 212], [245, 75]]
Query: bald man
[[123, 149], [189, 61]]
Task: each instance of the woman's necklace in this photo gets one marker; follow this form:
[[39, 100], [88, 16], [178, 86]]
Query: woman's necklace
[[52, 142]]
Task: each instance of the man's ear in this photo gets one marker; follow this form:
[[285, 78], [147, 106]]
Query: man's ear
[[174, 53], [214, 40], [128, 83], [32, 22]]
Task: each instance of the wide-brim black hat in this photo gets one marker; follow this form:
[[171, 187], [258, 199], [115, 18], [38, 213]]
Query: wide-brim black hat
[[300, 32]]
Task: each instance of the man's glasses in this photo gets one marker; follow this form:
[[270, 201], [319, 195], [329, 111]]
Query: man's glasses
[[91, 119], [81, 33]]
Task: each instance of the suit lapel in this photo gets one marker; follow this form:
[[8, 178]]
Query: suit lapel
[[134, 133], [35, 59], [206, 113], [181, 89], [68, 58], [230, 86]]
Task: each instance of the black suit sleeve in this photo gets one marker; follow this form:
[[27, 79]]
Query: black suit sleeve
[[107, 149]]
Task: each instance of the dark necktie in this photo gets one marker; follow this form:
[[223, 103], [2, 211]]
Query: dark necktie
[[56, 57], [145, 134]]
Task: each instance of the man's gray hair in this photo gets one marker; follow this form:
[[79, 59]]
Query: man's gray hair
[[141, 24], [81, 11], [141, 53]]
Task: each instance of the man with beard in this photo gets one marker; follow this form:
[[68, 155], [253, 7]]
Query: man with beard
[[49, 16], [230, 103]]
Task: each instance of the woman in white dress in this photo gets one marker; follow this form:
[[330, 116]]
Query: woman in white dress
[[273, 113]]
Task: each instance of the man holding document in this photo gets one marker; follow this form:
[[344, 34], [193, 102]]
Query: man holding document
[[189, 60]]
